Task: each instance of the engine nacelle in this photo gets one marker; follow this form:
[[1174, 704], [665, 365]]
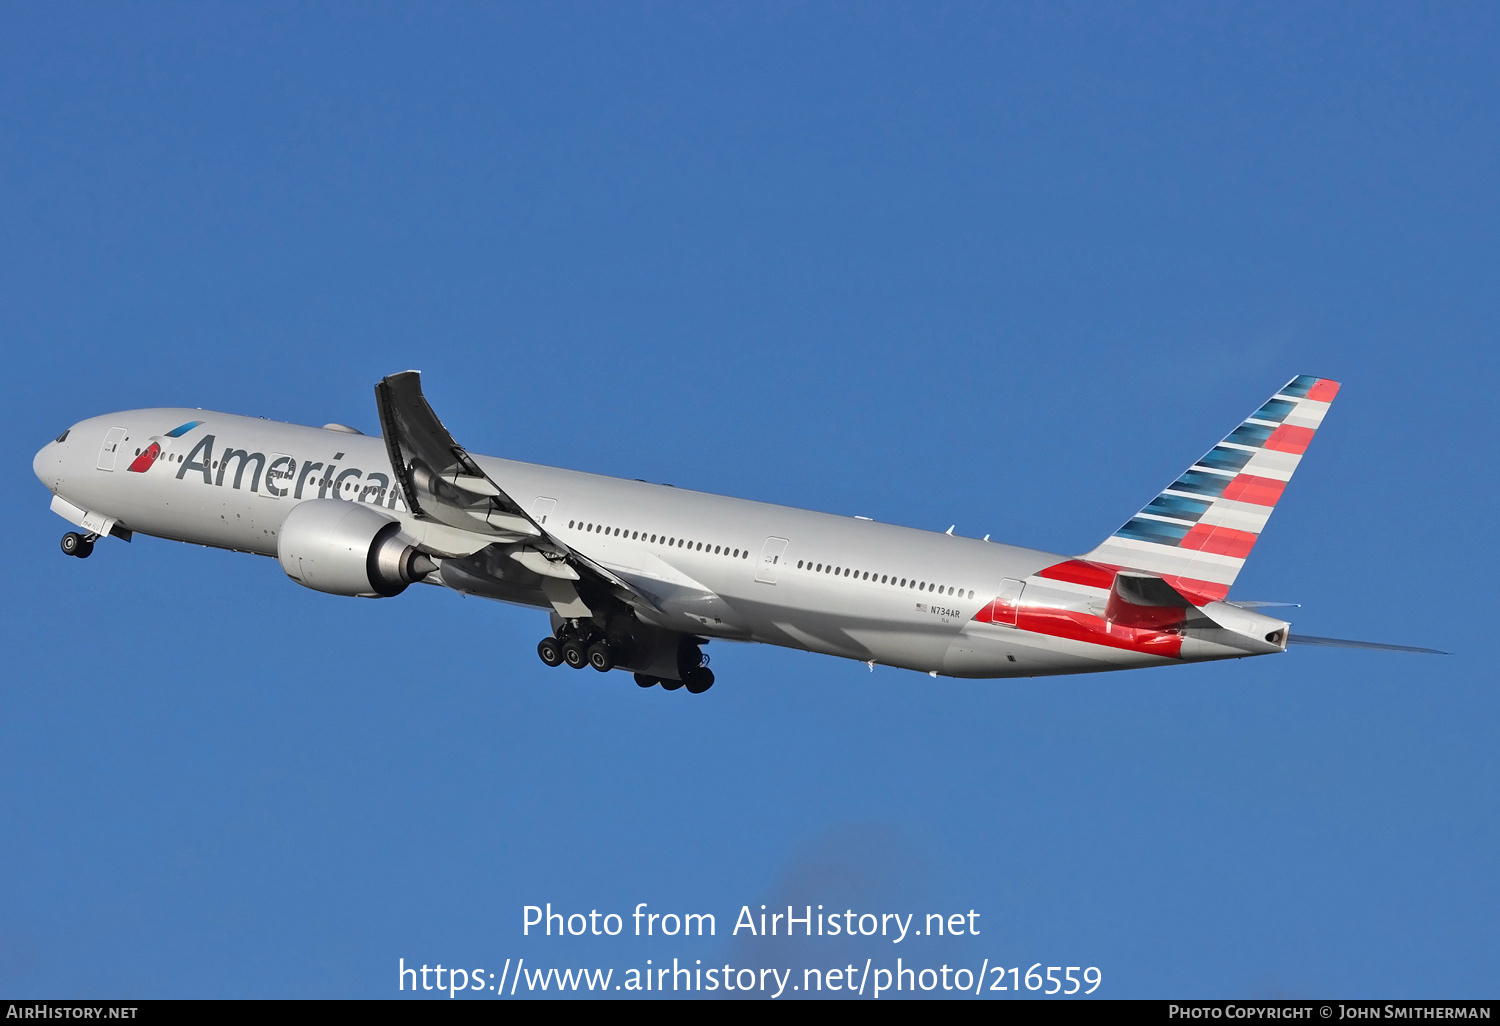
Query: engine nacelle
[[345, 548]]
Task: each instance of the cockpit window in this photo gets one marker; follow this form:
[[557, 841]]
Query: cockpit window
[[64, 436]]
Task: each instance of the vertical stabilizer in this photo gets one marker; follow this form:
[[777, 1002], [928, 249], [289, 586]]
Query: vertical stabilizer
[[1198, 531]]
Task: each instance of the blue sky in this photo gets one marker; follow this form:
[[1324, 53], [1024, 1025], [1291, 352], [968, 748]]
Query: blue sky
[[1009, 267]]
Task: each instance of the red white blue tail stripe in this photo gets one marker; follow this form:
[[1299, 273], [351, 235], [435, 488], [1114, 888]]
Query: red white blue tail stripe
[[1194, 535], [1198, 531]]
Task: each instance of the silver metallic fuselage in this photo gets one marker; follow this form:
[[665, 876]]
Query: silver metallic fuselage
[[732, 593]]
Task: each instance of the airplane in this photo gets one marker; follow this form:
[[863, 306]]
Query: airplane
[[639, 576]]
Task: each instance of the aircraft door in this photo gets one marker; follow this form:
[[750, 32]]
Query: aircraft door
[[770, 557], [112, 440], [1007, 599], [542, 509]]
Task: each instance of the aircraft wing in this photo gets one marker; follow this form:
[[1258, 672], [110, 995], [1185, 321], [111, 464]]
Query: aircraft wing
[[441, 482]]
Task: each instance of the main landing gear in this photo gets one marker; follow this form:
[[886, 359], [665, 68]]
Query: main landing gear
[[80, 545], [578, 649], [699, 680], [580, 645]]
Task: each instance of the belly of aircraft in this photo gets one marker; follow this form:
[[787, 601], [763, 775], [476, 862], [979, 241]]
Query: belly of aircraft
[[989, 650]]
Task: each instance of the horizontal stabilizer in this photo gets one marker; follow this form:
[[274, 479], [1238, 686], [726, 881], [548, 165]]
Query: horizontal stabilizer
[[1308, 639]]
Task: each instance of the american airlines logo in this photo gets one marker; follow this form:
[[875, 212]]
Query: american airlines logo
[[273, 476], [152, 452]]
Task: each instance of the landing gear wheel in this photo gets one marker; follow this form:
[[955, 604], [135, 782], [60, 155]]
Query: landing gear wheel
[[551, 651], [700, 680], [671, 685], [645, 681], [574, 655], [601, 657], [76, 545]]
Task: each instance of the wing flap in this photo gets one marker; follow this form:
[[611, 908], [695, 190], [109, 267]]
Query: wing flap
[[443, 484]]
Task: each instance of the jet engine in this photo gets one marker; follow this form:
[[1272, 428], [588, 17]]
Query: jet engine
[[344, 548]]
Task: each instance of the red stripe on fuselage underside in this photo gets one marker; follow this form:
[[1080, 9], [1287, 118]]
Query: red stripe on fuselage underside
[[1077, 571], [1223, 541], [1262, 491], [1323, 391], [1289, 439], [1074, 626], [143, 461]]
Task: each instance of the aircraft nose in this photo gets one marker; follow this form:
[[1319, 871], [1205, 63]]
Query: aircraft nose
[[48, 460]]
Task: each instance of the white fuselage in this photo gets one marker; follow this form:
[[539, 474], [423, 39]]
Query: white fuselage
[[715, 566]]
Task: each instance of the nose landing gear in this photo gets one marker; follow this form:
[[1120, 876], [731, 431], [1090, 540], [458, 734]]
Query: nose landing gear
[[74, 544]]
